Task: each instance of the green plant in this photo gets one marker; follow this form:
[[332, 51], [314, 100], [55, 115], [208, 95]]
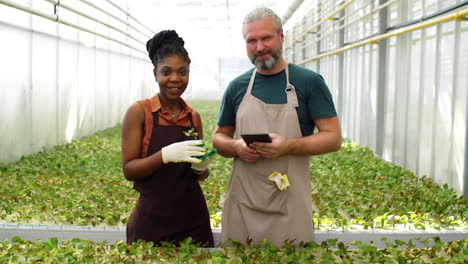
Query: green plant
[[81, 183], [209, 150], [330, 251]]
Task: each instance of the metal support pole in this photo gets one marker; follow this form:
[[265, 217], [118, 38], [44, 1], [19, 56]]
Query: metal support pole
[[465, 167], [318, 43], [341, 67], [382, 83]]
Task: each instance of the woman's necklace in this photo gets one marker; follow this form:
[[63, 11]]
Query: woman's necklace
[[174, 114], [177, 114]]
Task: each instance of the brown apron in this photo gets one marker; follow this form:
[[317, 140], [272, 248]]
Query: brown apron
[[254, 207], [171, 206]]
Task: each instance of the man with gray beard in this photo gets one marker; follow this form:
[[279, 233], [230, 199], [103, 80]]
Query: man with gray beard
[[269, 192]]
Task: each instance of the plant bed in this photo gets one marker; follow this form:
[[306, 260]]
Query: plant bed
[[377, 237], [81, 183], [330, 251]]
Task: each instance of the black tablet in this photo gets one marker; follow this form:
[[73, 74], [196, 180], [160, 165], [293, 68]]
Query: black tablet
[[250, 138]]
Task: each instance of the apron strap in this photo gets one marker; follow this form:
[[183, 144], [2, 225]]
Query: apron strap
[[251, 82], [190, 119], [290, 90]]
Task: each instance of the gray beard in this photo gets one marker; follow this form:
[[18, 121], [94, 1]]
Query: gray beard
[[269, 63], [265, 64]]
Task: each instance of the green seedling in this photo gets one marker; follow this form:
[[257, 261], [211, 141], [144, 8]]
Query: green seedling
[[209, 151]]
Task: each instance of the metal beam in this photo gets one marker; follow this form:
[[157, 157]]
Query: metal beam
[[317, 25], [459, 16], [56, 18]]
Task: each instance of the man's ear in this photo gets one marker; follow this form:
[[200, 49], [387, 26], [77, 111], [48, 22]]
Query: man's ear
[[282, 35]]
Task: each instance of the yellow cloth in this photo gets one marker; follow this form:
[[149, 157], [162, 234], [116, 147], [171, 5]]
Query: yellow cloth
[[281, 180]]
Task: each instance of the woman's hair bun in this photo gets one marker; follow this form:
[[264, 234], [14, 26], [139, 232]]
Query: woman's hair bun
[[162, 38]]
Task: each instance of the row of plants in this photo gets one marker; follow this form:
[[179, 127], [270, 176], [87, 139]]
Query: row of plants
[[81, 183], [329, 251]]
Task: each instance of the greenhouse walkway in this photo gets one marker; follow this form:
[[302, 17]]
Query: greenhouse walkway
[[114, 234]]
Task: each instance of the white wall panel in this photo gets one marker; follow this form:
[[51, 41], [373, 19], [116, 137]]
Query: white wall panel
[[141, 72], [402, 76], [118, 72], [428, 102], [102, 90], [330, 78], [126, 87], [443, 113], [86, 91], [44, 91], [67, 91], [357, 91], [373, 89], [414, 95], [59, 83], [352, 105], [358, 116], [460, 115], [346, 115], [15, 93], [364, 124], [388, 140]]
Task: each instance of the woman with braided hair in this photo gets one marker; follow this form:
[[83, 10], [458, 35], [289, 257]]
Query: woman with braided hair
[[159, 157]]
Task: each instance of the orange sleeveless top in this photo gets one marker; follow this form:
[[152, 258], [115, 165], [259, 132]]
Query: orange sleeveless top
[[153, 104]]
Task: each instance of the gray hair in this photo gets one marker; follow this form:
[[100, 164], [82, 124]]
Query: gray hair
[[262, 12]]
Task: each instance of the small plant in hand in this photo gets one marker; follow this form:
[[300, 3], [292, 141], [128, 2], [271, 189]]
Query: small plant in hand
[[191, 133], [209, 150]]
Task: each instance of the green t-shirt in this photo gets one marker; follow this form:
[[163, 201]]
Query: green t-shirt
[[315, 99]]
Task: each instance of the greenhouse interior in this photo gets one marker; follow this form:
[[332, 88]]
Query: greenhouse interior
[[395, 191]]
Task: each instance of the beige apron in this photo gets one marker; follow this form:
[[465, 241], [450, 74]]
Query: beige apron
[[254, 207]]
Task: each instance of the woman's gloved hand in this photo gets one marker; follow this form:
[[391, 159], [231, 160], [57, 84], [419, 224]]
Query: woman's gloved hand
[[202, 165], [183, 151]]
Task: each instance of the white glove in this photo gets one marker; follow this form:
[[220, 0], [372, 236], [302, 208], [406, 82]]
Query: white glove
[[183, 152], [202, 165]]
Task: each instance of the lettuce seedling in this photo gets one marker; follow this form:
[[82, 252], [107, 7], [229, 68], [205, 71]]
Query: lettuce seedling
[[208, 148]]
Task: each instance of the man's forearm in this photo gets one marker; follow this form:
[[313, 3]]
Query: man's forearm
[[323, 142], [225, 145], [328, 139]]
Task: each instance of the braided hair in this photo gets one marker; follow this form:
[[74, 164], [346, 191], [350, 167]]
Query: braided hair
[[165, 43]]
